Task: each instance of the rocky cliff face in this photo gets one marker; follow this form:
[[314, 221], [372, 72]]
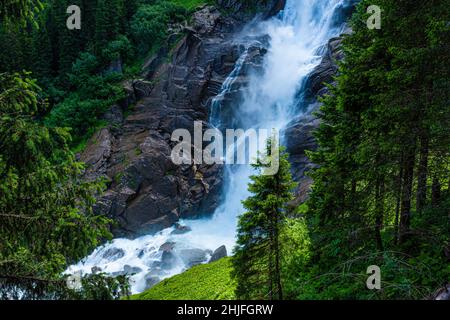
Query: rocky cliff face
[[146, 191], [299, 134]]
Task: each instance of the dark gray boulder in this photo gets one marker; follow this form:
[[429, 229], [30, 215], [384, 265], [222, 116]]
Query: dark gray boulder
[[129, 270], [150, 281], [179, 229], [96, 270], [192, 257], [168, 260], [218, 254], [167, 247]]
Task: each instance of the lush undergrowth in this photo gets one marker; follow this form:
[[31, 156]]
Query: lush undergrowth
[[191, 4], [203, 282]]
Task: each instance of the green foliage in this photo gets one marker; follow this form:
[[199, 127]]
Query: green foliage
[[380, 192], [191, 4], [108, 21], [210, 281], [93, 94], [20, 12], [256, 260], [149, 25], [46, 218], [120, 48], [295, 253], [14, 50]]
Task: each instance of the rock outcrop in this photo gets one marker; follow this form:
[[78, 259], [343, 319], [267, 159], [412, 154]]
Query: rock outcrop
[[218, 254], [299, 134]]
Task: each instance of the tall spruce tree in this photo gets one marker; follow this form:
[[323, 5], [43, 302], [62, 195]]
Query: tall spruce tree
[[257, 255], [70, 43], [41, 52], [46, 218], [109, 22]]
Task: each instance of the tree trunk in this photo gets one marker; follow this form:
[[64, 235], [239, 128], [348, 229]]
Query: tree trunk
[[408, 176], [277, 264], [270, 279], [422, 174], [397, 207], [379, 212], [435, 192]]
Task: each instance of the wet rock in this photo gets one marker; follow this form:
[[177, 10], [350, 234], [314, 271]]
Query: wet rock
[[300, 139], [130, 96], [129, 270], [143, 252], [96, 270], [142, 88], [300, 132], [168, 260], [323, 74], [218, 254], [150, 281], [114, 115], [113, 254], [97, 154], [167, 247], [192, 257], [205, 20], [179, 229]]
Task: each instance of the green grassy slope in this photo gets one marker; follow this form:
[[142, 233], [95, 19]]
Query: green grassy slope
[[203, 282]]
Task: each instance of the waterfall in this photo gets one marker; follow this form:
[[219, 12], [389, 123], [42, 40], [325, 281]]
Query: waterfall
[[226, 88], [297, 37]]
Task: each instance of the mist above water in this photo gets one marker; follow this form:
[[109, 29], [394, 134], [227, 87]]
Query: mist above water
[[296, 37]]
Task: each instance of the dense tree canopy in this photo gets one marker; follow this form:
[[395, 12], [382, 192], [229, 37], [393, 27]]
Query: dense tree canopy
[[46, 219], [381, 193]]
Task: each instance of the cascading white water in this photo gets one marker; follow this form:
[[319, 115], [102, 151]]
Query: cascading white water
[[270, 100], [226, 88]]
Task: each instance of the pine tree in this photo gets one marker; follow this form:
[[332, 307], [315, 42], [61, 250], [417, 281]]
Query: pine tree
[[70, 43], [46, 217], [42, 53], [108, 22], [257, 261]]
